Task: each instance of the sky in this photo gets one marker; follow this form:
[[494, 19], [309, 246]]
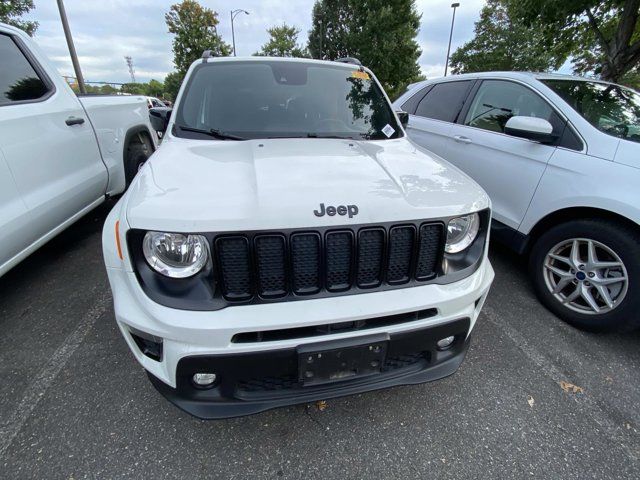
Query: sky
[[105, 31]]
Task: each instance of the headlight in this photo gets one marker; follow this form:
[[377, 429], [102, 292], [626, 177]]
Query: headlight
[[461, 232], [175, 255]]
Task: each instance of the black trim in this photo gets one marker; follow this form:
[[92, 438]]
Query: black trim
[[252, 382], [202, 292], [510, 237], [40, 71]]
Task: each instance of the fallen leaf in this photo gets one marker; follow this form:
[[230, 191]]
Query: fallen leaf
[[570, 387], [530, 401], [321, 405]]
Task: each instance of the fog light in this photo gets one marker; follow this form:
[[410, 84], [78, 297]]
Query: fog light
[[445, 343], [204, 379]]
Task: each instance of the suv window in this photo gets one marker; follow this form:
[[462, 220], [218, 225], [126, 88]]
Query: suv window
[[496, 101], [611, 109], [18, 80], [444, 101], [411, 105], [284, 99]]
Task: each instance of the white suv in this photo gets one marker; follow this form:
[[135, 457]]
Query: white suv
[[560, 158], [287, 243]]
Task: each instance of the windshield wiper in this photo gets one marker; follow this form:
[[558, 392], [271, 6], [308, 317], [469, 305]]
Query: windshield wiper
[[212, 132], [342, 137]]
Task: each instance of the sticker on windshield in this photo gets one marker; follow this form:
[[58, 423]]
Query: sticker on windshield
[[388, 130], [361, 75]]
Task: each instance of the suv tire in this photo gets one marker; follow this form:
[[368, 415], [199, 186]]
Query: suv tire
[[586, 272]]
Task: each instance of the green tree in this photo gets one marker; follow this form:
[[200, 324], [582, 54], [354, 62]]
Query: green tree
[[500, 43], [134, 88], [11, 10], [155, 88], [283, 42], [381, 34], [194, 28], [603, 35], [172, 84]]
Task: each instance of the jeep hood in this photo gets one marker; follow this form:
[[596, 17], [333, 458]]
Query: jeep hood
[[209, 185]]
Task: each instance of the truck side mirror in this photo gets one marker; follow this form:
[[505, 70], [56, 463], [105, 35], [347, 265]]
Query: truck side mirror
[[403, 117], [159, 117]]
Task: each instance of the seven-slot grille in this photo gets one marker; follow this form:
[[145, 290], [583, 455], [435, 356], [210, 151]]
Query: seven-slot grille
[[275, 265]]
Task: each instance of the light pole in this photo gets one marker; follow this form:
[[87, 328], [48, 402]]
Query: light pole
[[454, 6], [72, 48], [234, 14]]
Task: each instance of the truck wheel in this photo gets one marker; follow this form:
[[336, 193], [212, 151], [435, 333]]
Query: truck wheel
[[587, 271], [138, 151]]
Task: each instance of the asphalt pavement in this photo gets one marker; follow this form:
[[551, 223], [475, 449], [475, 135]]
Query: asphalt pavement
[[534, 398]]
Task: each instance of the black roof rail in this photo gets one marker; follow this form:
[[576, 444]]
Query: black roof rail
[[206, 54], [352, 60]]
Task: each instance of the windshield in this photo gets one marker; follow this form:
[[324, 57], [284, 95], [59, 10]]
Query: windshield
[[276, 99], [609, 108]]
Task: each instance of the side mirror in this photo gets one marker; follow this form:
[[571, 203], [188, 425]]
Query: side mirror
[[159, 117], [531, 128], [403, 117]]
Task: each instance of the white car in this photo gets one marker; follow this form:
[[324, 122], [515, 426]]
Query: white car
[[60, 155], [560, 158], [287, 243]]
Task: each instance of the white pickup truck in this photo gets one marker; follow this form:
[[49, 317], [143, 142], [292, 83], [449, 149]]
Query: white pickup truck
[[60, 155]]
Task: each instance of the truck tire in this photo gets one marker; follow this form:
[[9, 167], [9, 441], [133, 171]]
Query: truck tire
[[587, 273], [138, 151]]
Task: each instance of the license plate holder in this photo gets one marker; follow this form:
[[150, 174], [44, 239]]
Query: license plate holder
[[329, 362]]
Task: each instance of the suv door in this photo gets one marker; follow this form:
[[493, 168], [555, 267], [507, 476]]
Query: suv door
[[432, 112], [48, 143], [507, 167]]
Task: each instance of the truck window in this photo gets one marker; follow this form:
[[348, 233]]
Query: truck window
[[444, 101], [18, 79], [267, 99]]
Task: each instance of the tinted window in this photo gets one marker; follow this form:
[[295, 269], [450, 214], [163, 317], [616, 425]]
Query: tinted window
[[444, 101], [411, 105], [609, 108], [497, 101], [261, 99], [18, 79]]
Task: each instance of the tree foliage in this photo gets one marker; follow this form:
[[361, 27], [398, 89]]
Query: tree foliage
[[603, 36], [283, 42], [12, 10], [381, 34], [195, 31], [172, 84], [500, 43]]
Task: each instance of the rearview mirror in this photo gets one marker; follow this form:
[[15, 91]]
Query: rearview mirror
[[531, 128], [159, 117], [403, 117]]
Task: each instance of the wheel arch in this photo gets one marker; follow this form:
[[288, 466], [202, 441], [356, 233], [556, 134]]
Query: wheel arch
[[571, 213]]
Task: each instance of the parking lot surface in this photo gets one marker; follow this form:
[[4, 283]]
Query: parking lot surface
[[534, 398]]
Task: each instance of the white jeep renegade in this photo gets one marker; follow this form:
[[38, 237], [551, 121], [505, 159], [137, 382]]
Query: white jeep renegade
[[289, 243]]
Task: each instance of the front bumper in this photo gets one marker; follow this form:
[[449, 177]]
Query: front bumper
[[196, 341], [254, 382]]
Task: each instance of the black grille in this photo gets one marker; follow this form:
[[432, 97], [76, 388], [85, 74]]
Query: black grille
[[277, 265], [429, 250], [236, 267], [270, 258]]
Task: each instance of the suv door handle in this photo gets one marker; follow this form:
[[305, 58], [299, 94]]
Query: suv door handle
[[74, 121], [461, 139]]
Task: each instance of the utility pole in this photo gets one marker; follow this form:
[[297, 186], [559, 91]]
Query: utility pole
[[72, 48], [132, 72], [454, 6]]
